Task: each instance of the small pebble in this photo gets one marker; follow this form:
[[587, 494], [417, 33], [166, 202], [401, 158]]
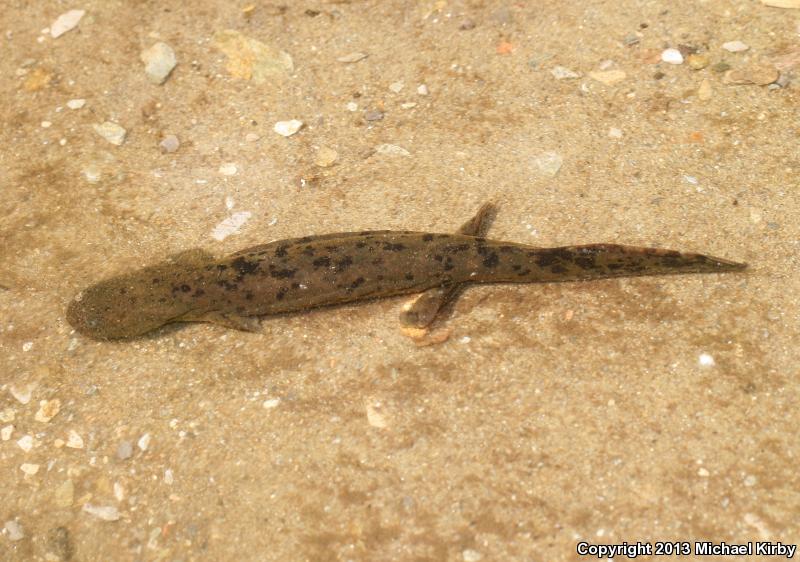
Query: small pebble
[[750, 480], [374, 416], [408, 105], [144, 441], [14, 530], [231, 225], [614, 133], [76, 103], [672, 56], [228, 169], [159, 60], [25, 443], [106, 512], [65, 22], [373, 115], [352, 106], [169, 144], [466, 25], [391, 150], [64, 494], [125, 450], [29, 468], [271, 403], [325, 157], [48, 409], [46, 124], [549, 163], [5, 433], [469, 555], [287, 128], [563, 73], [759, 74], [112, 132], [702, 472], [735, 46], [706, 360], [23, 395], [608, 77], [721, 66], [697, 62], [352, 57], [169, 477], [704, 92], [74, 440], [396, 87], [251, 137], [422, 90]]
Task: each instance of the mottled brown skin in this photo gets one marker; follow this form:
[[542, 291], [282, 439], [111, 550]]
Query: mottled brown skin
[[304, 273]]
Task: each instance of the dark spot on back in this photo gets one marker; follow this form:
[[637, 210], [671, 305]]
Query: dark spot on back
[[427, 237], [360, 244], [156, 280], [244, 267], [285, 273], [308, 250], [409, 276], [438, 257], [222, 267], [491, 260], [248, 295], [324, 261], [280, 251], [280, 294], [357, 282], [199, 293], [185, 288], [344, 263], [295, 285], [584, 262], [392, 247], [558, 269]]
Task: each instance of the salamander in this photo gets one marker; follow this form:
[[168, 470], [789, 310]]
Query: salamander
[[300, 274]]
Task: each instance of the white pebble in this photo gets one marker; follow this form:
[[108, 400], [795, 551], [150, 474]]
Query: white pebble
[[159, 60], [113, 133], [702, 472], [549, 163], [46, 124], [470, 555], [750, 480], [391, 150], [23, 395], [374, 416], [229, 202], [563, 73], [14, 530], [169, 144], [422, 90], [690, 179], [144, 441], [231, 225], [65, 22], [76, 103], [251, 137], [672, 56], [288, 128], [352, 106], [169, 477], [106, 513], [25, 443], [29, 468], [74, 440], [271, 403], [396, 87], [228, 169], [614, 133], [5, 433], [27, 346], [735, 46], [408, 105], [706, 360]]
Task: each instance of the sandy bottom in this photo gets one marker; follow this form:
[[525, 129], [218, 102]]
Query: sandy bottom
[[540, 416]]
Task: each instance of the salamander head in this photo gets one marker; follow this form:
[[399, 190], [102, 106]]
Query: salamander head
[[124, 307]]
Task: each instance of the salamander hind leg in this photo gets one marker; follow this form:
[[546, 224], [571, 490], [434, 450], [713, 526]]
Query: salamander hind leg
[[420, 313]]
